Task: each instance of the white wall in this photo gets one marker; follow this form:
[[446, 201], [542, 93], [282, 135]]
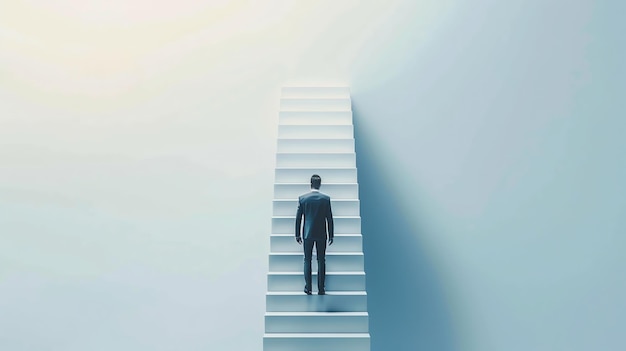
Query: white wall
[[137, 146]]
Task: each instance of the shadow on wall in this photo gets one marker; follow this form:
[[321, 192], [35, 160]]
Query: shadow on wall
[[406, 306]]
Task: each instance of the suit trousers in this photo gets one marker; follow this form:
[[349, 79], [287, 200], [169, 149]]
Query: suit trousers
[[320, 249]]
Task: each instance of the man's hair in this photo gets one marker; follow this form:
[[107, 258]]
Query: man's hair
[[316, 181]]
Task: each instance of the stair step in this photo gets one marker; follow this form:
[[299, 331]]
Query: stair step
[[342, 225], [315, 104], [335, 262], [315, 146], [340, 207], [328, 174], [342, 243], [335, 281], [292, 191], [315, 132], [316, 342], [333, 301], [315, 92], [343, 160], [315, 118], [316, 322]]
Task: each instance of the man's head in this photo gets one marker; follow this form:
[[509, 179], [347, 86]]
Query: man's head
[[316, 181]]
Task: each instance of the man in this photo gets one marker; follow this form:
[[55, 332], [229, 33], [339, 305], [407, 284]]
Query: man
[[318, 227]]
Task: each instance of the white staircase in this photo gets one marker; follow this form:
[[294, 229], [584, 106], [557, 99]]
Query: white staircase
[[316, 136]]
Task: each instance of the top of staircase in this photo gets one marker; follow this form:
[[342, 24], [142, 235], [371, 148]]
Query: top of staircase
[[315, 92]]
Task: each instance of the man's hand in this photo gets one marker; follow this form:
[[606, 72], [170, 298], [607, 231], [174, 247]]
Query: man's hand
[[299, 240], [330, 241]]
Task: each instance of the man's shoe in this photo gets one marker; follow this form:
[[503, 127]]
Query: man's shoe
[[308, 292], [321, 292]]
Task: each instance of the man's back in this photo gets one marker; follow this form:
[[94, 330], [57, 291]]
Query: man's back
[[315, 207]]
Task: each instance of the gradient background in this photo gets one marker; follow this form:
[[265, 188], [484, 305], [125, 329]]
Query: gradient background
[[137, 143]]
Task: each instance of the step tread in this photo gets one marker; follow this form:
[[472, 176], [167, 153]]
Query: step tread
[[300, 184], [316, 126], [328, 293], [336, 200], [339, 91], [317, 153], [332, 253], [309, 98], [316, 87], [324, 314], [293, 217], [330, 140], [314, 98], [314, 273], [315, 109], [336, 235], [315, 168], [317, 112], [316, 335]]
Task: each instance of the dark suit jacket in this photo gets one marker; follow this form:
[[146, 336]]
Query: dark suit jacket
[[315, 207]]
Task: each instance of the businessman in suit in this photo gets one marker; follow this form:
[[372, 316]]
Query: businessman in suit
[[317, 228]]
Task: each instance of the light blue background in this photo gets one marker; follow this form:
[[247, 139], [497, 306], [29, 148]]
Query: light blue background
[[491, 161]]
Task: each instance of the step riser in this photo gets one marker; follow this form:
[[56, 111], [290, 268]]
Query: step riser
[[316, 324], [339, 208], [319, 104], [304, 175], [335, 191], [340, 244], [334, 263], [316, 303], [341, 225], [315, 118], [295, 282], [294, 160], [315, 145], [315, 92], [316, 344], [315, 132]]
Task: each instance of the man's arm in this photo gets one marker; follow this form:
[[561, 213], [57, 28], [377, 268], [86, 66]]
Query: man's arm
[[299, 214], [331, 227]]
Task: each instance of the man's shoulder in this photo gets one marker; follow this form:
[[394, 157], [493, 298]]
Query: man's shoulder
[[314, 195]]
